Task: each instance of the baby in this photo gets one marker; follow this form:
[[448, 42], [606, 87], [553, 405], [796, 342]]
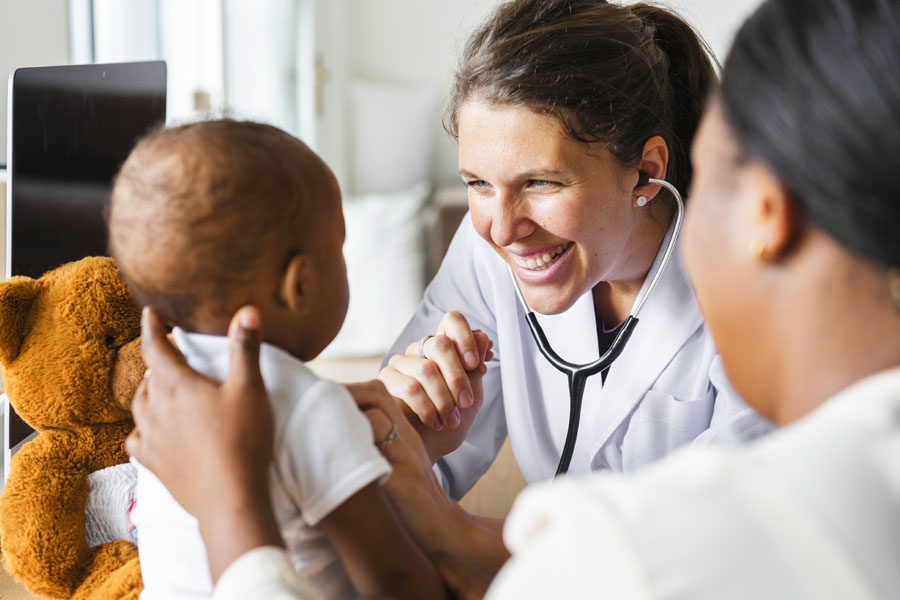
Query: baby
[[206, 218]]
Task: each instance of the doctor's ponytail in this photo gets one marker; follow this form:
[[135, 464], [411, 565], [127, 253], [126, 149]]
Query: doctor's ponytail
[[691, 77], [614, 75]]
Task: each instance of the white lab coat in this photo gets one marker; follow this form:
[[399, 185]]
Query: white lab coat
[[666, 389]]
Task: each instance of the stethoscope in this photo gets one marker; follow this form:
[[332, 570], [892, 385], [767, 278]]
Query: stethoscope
[[578, 374]]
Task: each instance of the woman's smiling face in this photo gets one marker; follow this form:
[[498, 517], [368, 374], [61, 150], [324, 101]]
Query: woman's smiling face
[[558, 212]]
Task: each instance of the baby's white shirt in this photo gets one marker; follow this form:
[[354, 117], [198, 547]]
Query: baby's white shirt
[[324, 454]]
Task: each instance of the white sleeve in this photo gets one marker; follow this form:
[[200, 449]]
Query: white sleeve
[[733, 421], [567, 543], [265, 572], [326, 452], [685, 527], [462, 284]]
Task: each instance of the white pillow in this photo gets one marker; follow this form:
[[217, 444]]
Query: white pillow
[[386, 268], [393, 129]]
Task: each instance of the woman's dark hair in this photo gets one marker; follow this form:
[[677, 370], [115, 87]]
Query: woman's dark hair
[[615, 75], [812, 89]]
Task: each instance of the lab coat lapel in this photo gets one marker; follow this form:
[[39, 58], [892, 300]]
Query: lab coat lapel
[[668, 319]]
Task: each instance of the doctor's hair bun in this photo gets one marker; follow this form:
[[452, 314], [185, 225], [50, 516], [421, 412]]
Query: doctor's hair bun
[[613, 74], [812, 89]]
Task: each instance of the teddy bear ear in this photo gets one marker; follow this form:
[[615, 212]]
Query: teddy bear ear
[[16, 299]]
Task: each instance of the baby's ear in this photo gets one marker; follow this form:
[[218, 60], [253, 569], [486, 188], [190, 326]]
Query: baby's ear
[[296, 283], [16, 299]]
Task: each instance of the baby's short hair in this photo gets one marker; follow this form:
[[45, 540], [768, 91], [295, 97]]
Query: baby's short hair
[[198, 210]]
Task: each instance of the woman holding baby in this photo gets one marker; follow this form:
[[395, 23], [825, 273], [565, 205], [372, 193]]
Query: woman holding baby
[[557, 108]]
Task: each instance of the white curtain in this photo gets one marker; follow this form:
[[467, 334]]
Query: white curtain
[[225, 57]]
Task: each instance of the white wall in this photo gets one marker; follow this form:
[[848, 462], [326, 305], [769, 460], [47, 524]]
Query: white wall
[[32, 33], [419, 42], [415, 42], [717, 20]]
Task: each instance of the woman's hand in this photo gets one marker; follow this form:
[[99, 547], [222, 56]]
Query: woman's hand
[[209, 444], [443, 389], [441, 527], [412, 487]]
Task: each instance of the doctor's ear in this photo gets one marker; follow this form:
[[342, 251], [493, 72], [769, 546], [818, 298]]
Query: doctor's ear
[[654, 162], [297, 284]]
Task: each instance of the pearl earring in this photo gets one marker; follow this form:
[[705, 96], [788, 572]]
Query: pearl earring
[[642, 201]]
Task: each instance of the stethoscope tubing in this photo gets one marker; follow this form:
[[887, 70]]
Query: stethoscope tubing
[[577, 374]]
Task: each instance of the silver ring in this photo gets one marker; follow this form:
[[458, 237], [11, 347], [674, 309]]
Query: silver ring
[[390, 438], [420, 351]]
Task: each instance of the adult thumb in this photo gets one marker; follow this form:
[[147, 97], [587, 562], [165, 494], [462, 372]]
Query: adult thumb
[[244, 333]]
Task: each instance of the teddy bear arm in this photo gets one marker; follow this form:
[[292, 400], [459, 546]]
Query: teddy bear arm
[[112, 573], [42, 515]]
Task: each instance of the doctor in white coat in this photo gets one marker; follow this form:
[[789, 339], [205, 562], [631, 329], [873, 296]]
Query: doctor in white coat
[[667, 388], [551, 155]]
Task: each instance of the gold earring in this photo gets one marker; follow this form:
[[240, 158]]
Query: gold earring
[[757, 250], [894, 286]]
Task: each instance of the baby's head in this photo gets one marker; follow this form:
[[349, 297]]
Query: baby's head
[[208, 217]]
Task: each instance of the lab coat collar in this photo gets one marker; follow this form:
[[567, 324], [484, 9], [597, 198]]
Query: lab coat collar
[[668, 320]]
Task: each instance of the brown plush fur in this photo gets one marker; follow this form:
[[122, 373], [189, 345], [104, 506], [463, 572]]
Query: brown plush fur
[[70, 358]]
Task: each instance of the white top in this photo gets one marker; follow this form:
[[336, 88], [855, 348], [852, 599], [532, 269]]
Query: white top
[[667, 388], [324, 454], [808, 512], [264, 572]]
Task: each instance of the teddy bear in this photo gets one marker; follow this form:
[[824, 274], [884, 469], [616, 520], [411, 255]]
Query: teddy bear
[[70, 362]]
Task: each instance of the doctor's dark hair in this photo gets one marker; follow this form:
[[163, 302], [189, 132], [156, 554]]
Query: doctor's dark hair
[[613, 74], [811, 88]]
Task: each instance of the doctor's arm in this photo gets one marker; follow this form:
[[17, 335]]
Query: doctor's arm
[[441, 394], [456, 407]]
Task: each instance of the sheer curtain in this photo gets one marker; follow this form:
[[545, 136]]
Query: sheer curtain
[[225, 57]]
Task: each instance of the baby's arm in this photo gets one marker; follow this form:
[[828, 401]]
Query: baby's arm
[[380, 557]]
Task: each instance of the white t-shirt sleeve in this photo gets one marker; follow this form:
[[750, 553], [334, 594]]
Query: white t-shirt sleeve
[[325, 454], [265, 572]]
